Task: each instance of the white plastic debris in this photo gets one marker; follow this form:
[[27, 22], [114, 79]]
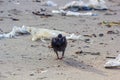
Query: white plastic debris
[[97, 4], [44, 71], [73, 3], [75, 37], [40, 33], [91, 4], [58, 11], [71, 13], [15, 31], [43, 34], [49, 3], [113, 62]]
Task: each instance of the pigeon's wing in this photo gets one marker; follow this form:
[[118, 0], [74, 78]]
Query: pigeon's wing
[[65, 41], [53, 42]]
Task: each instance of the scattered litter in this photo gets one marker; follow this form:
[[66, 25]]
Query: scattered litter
[[110, 24], [80, 5], [44, 71], [58, 11], [42, 14], [110, 13], [70, 13], [111, 57], [113, 62], [113, 32], [98, 4], [15, 31], [92, 35], [84, 53], [72, 8], [49, 3], [41, 34]]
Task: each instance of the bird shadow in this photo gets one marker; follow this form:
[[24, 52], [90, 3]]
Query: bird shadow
[[82, 66]]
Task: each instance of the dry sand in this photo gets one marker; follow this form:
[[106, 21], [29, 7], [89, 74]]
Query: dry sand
[[22, 59]]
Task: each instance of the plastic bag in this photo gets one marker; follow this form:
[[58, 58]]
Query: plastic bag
[[113, 63]]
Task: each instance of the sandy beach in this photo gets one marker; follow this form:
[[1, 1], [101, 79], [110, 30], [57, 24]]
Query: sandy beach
[[24, 59]]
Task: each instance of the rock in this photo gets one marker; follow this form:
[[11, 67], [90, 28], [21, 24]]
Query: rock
[[101, 35], [79, 52], [32, 74], [58, 66], [112, 38], [1, 11], [1, 19], [87, 40], [14, 19], [94, 35], [39, 59], [34, 45]]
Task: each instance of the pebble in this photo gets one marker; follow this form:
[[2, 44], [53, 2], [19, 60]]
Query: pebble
[[101, 35]]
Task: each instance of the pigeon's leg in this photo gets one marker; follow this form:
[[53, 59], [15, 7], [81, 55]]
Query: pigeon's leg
[[57, 55], [62, 54]]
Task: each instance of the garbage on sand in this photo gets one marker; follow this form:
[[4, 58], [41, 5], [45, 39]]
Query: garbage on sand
[[80, 5], [42, 14], [49, 3], [15, 31], [72, 8], [113, 62], [41, 34], [110, 24], [71, 13], [47, 34]]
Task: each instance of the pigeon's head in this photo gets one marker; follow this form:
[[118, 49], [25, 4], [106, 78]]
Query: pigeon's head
[[59, 35]]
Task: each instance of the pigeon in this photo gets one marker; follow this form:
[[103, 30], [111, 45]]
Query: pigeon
[[59, 44]]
